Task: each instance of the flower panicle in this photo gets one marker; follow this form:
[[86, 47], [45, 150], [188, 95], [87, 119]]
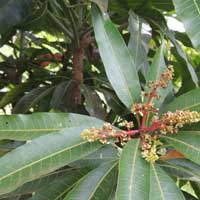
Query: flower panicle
[[172, 121], [164, 79], [99, 134], [168, 123], [107, 132], [153, 148], [139, 108]]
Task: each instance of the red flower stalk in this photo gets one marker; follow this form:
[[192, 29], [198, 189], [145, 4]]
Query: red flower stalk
[[168, 123]]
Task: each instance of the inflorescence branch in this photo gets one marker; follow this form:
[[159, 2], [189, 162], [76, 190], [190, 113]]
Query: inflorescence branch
[[168, 123]]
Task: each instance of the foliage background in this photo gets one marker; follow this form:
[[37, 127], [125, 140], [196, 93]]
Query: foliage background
[[50, 62]]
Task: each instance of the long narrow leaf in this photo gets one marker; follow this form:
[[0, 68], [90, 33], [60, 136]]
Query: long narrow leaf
[[40, 186], [162, 187], [43, 155], [119, 66], [58, 188], [141, 180], [31, 99], [96, 185], [183, 56], [187, 101], [182, 168], [140, 35], [133, 180], [187, 142], [107, 153], [28, 127], [189, 12]]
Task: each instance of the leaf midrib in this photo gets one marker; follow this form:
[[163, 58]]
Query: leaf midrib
[[32, 130], [196, 6], [118, 63], [193, 105], [158, 182], [138, 39], [100, 181], [182, 142], [180, 168], [43, 158], [133, 168]]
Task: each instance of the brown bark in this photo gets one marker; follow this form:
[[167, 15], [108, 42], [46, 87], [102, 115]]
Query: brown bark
[[77, 74]]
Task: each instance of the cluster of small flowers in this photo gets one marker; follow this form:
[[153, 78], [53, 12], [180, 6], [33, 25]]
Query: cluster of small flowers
[[103, 134], [128, 125], [172, 121], [169, 122], [139, 108], [153, 148], [165, 77]]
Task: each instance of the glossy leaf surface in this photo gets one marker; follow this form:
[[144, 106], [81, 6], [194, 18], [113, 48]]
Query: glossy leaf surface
[[43, 155], [133, 179], [187, 142], [97, 184], [188, 101], [162, 187], [189, 13], [28, 127], [119, 65], [140, 35]]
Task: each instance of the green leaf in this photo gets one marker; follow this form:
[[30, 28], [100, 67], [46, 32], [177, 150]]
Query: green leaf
[[196, 188], [133, 179], [103, 4], [17, 92], [94, 104], [141, 180], [97, 184], [113, 101], [41, 156], [162, 187], [157, 67], [187, 142], [122, 7], [187, 101], [189, 13], [59, 94], [188, 196], [183, 37], [139, 40], [40, 185], [107, 153], [183, 56], [58, 188], [119, 66], [164, 5], [183, 169], [28, 127], [31, 99]]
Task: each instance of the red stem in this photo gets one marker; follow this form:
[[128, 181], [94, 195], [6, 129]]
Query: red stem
[[153, 127], [132, 132], [144, 118], [145, 114], [120, 134]]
